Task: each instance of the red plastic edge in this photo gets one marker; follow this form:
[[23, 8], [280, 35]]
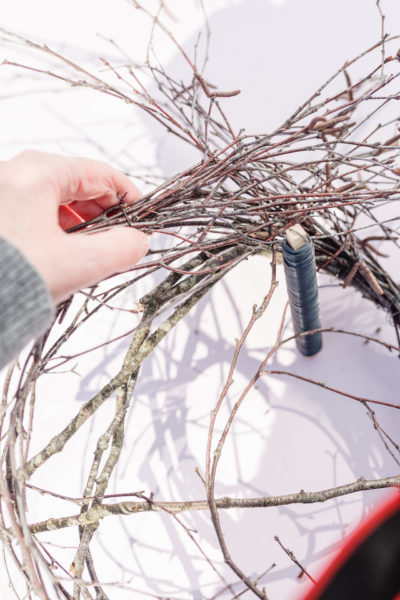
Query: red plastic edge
[[385, 510]]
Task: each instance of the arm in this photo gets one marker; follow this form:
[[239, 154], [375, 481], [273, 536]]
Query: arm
[[26, 307]]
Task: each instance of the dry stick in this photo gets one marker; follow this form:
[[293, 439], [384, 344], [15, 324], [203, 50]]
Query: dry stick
[[153, 26], [6, 544], [384, 436], [221, 442], [130, 508], [293, 558], [84, 499], [5, 392], [27, 566], [382, 16], [100, 593], [33, 562], [114, 431], [211, 469], [116, 447], [239, 594], [330, 389], [22, 533], [256, 314], [367, 338]]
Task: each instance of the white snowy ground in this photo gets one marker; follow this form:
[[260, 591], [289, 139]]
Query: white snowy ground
[[288, 435]]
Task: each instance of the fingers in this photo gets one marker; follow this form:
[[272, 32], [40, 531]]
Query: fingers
[[91, 258], [94, 180], [66, 179]]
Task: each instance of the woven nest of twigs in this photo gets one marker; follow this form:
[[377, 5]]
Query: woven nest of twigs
[[316, 170], [331, 167]]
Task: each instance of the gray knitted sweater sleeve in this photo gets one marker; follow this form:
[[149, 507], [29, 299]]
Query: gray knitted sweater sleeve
[[26, 307]]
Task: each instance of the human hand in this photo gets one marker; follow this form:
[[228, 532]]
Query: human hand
[[33, 185]]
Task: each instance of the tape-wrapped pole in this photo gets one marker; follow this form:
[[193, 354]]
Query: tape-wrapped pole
[[301, 282]]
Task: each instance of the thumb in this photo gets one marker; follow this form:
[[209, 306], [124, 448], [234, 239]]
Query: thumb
[[91, 258]]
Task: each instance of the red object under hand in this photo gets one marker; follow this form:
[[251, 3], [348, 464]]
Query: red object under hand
[[68, 211]]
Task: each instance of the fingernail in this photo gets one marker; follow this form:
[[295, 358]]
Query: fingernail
[[143, 242]]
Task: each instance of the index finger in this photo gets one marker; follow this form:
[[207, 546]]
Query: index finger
[[86, 179], [66, 179]]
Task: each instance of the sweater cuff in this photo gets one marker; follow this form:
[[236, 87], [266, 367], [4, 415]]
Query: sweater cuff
[[26, 306]]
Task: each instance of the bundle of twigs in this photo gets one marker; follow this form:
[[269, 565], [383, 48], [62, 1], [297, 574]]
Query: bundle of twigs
[[330, 167], [316, 169]]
